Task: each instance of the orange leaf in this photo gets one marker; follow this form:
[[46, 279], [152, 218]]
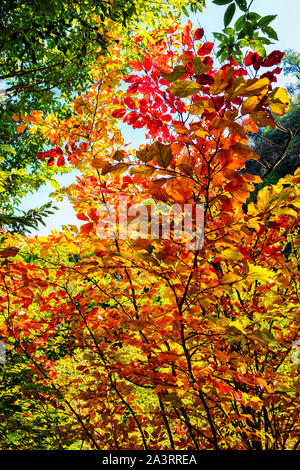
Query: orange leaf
[[87, 228], [21, 128]]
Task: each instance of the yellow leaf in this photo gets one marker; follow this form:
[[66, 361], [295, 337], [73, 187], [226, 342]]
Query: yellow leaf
[[250, 105], [184, 88], [33, 129], [281, 95], [231, 254], [259, 273], [230, 277], [220, 83], [201, 105], [253, 87], [54, 184], [279, 101]]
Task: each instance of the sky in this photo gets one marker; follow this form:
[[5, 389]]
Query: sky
[[287, 27]]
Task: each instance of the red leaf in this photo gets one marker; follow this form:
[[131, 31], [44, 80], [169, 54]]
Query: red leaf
[[198, 34], [136, 38], [130, 103], [254, 59], [119, 113], [205, 79], [147, 63], [60, 161], [87, 228], [136, 65], [232, 61], [81, 216], [41, 156], [58, 151], [93, 214], [270, 76], [208, 61], [133, 88], [206, 48], [240, 72], [273, 59], [50, 161]]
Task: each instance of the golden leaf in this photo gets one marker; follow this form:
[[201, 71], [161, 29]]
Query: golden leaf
[[161, 153], [263, 119], [143, 170], [144, 154], [199, 67], [176, 73], [117, 169], [118, 155], [279, 101], [201, 105], [184, 88], [250, 105], [252, 87]]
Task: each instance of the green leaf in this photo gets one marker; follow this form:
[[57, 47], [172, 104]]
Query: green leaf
[[270, 32], [253, 16], [229, 31], [185, 11], [248, 29], [7, 148], [242, 4], [238, 25], [229, 14], [219, 36], [222, 2], [263, 40], [11, 437], [266, 20]]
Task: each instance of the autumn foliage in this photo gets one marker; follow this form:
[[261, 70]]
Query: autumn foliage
[[141, 343]]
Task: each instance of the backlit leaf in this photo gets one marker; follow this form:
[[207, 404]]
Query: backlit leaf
[[184, 88], [178, 72]]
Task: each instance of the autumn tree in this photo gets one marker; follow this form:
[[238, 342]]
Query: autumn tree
[[47, 51], [146, 342]]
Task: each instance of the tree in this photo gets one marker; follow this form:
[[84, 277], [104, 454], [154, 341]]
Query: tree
[[291, 63], [48, 49], [151, 343], [279, 147]]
